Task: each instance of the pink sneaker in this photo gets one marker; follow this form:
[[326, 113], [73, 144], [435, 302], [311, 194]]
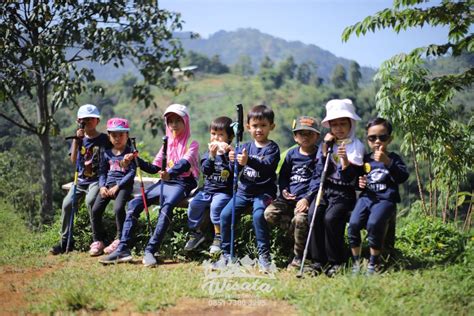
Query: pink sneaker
[[111, 248], [96, 249]]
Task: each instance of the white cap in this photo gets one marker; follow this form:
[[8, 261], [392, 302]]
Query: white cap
[[337, 108], [88, 110], [179, 109]]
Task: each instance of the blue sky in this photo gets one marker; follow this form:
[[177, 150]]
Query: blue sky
[[318, 22]]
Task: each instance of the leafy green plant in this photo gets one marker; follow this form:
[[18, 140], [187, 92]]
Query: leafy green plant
[[427, 241]]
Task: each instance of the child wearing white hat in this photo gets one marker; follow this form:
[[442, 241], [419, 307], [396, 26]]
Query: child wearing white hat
[[327, 247]]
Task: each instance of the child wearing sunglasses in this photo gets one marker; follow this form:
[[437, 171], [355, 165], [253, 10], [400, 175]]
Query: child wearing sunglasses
[[383, 172]]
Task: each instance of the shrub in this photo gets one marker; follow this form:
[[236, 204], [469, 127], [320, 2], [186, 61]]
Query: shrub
[[426, 241]]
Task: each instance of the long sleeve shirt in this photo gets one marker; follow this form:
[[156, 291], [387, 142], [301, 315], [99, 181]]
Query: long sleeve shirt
[[218, 176], [259, 174], [111, 173]]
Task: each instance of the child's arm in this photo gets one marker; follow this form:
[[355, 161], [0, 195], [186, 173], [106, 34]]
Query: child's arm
[[284, 176], [207, 164], [190, 158], [397, 168], [129, 176]]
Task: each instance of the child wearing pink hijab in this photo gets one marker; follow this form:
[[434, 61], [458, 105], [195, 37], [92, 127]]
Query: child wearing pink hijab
[[179, 178]]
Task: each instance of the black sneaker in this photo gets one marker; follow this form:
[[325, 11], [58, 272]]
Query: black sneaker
[[60, 249], [118, 256], [194, 241], [333, 270], [316, 268], [56, 250]]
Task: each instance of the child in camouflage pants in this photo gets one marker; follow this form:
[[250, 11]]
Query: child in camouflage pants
[[294, 179]]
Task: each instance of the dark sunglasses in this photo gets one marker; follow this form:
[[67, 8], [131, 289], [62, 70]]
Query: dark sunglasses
[[382, 138]]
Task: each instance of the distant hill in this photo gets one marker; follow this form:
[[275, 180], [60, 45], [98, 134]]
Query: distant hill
[[251, 42], [231, 45]]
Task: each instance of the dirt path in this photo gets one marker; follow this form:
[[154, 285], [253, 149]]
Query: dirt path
[[13, 285], [14, 288]]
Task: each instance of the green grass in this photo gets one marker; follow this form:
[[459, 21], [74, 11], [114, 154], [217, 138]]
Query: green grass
[[76, 282]]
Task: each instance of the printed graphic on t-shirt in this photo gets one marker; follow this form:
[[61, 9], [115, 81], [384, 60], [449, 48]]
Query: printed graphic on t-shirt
[[250, 173], [377, 180], [220, 174], [301, 174], [91, 161], [114, 165]]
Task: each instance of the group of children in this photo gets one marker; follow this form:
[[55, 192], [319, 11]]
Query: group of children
[[107, 171]]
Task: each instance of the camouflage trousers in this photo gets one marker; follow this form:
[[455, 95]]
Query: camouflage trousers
[[281, 212]]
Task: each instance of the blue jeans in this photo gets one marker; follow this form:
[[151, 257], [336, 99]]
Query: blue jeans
[[258, 203], [372, 215], [200, 202], [172, 194]]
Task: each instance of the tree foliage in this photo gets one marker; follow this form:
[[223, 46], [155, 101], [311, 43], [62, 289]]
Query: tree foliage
[[421, 102], [43, 42], [339, 76]]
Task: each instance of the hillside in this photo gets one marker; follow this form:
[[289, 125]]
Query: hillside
[[251, 42]]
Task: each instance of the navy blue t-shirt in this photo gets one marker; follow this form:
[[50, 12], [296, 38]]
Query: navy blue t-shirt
[[383, 181], [296, 172], [89, 158], [259, 175], [111, 173], [218, 176]]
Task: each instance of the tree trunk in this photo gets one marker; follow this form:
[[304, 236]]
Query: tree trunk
[[47, 211], [446, 206], [418, 179]]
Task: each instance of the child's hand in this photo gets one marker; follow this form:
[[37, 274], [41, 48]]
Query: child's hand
[[342, 154], [328, 138], [243, 157], [104, 192], [213, 147], [231, 153], [127, 160], [287, 195], [380, 155], [80, 133], [164, 175], [113, 191], [302, 206], [362, 182]]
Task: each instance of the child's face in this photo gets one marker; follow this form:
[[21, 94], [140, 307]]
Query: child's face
[[377, 135], [118, 139], [90, 123], [219, 136], [175, 123], [260, 129], [340, 127], [305, 138]]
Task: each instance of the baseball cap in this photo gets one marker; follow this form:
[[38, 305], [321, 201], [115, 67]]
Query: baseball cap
[[179, 109], [88, 110], [117, 124], [306, 123]]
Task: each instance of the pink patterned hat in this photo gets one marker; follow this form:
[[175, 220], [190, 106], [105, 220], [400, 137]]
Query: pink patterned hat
[[117, 124]]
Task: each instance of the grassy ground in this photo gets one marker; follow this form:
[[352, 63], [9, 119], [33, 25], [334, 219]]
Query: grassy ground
[[32, 281]]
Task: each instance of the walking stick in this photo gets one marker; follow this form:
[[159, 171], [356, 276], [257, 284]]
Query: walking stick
[[82, 125], [318, 201], [142, 186], [238, 131], [163, 168]]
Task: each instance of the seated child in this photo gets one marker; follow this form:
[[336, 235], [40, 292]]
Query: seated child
[[217, 189], [327, 246], [383, 172], [294, 178], [258, 160], [115, 182]]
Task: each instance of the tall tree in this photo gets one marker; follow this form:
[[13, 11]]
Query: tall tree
[[354, 75], [287, 68], [42, 43], [339, 76], [243, 66], [420, 102]]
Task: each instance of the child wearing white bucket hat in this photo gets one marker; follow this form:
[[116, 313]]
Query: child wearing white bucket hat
[[327, 247]]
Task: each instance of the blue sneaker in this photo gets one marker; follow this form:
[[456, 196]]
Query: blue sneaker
[[149, 260], [222, 263], [264, 263], [118, 256], [356, 268], [373, 269], [195, 239]]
